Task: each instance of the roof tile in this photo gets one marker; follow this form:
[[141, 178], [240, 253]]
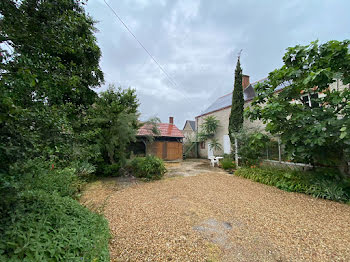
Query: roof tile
[[167, 130]]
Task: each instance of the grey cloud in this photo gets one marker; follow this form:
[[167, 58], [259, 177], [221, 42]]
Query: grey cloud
[[197, 43]]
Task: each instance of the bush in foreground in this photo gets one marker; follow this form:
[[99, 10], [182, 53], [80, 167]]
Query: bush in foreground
[[228, 163], [148, 168], [317, 184], [48, 227]]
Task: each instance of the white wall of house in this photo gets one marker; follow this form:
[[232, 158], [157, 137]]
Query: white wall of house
[[338, 85], [223, 116], [221, 135]]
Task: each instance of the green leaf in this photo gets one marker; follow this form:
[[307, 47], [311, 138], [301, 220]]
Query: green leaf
[[342, 135]]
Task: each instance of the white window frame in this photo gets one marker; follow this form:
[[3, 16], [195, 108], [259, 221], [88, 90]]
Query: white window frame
[[308, 95]]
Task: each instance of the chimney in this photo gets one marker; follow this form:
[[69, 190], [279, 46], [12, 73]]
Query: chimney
[[245, 81], [171, 120]]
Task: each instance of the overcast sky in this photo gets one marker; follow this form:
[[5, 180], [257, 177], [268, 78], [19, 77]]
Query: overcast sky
[[197, 43]]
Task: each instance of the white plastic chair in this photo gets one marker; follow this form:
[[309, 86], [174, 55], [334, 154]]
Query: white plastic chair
[[213, 160]]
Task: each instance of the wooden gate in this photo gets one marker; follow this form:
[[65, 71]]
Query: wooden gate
[[166, 150], [174, 150]]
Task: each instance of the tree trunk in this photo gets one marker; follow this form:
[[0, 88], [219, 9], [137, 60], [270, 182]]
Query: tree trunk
[[279, 150], [111, 157], [236, 151]]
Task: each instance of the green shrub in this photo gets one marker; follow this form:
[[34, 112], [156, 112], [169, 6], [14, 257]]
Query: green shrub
[[228, 163], [111, 170], [84, 170], [319, 185], [252, 146], [48, 227], [64, 182], [148, 168], [39, 174]]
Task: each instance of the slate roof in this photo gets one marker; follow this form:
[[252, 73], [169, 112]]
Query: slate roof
[[192, 124], [166, 130], [226, 100]]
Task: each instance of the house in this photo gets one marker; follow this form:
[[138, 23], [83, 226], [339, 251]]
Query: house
[[189, 131], [166, 145], [221, 109]]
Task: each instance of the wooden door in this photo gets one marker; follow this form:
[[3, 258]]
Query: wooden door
[[156, 149], [174, 150]]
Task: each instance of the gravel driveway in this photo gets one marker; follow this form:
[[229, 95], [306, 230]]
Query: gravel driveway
[[200, 213]]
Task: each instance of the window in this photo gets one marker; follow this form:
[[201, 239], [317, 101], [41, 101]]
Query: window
[[307, 100], [202, 145]]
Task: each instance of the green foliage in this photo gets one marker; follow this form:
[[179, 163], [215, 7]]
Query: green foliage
[[55, 58], [236, 115], [208, 128], [228, 163], [84, 170], [152, 126], [318, 184], [115, 115], [252, 147], [111, 170], [215, 145], [318, 133], [47, 145], [64, 182], [46, 227], [148, 168]]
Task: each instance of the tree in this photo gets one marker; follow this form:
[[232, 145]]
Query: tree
[[54, 58], [236, 115], [49, 65], [115, 114], [208, 130], [215, 145], [152, 126], [312, 119]]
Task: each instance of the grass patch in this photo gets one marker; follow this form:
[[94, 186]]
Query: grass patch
[[325, 184]]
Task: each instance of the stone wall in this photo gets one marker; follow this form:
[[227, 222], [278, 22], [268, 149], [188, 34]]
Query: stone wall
[[189, 134]]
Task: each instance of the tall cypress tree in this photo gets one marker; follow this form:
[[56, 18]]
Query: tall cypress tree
[[236, 116]]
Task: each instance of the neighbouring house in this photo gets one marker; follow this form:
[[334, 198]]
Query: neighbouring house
[[167, 145], [189, 142], [189, 131], [221, 109]]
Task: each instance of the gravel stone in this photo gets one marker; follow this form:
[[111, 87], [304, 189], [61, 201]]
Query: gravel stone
[[208, 215]]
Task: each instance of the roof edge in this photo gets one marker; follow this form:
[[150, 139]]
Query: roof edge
[[220, 109]]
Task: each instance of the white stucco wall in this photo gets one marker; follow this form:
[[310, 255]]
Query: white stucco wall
[[223, 116]]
